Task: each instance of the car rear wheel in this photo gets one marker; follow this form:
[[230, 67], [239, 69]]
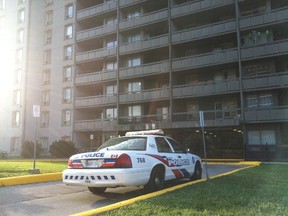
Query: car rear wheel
[[97, 190], [197, 173], [156, 181]]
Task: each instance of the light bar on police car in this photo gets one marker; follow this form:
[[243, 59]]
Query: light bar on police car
[[146, 132]]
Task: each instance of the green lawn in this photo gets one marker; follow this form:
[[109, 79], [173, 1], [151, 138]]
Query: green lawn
[[20, 168], [255, 191]]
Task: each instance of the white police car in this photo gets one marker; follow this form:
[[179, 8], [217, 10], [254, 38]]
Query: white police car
[[139, 158]]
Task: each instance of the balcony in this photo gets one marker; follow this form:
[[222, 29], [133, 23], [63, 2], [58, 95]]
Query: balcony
[[95, 32], [95, 54], [198, 6], [96, 10], [202, 32], [213, 118], [145, 96], [149, 18], [206, 88], [206, 59], [98, 124], [95, 101], [95, 77], [150, 43], [128, 2], [274, 80], [263, 19], [147, 69], [267, 114], [269, 49]]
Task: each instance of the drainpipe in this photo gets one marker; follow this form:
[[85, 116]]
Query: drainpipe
[[242, 118]]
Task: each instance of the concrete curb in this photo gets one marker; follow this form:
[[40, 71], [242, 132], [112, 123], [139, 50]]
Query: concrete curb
[[154, 194], [30, 179]]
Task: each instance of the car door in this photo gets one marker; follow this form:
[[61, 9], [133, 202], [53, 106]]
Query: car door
[[182, 160]]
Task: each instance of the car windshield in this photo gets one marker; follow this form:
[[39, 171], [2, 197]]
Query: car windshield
[[125, 143]]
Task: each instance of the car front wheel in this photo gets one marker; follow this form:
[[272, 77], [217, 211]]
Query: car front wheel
[[97, 190], [197, 173]]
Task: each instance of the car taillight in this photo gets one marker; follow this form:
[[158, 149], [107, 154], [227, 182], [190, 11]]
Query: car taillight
[[75, 164], [124, 161]]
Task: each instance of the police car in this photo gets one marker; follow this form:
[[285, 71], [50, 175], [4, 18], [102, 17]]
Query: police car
[[141, 158]]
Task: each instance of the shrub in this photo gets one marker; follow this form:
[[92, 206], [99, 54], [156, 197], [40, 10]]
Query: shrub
[[62, 148], [28, 149]]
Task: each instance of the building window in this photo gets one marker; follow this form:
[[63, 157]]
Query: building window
[[68, 52], [19, 56], [67, 74], [133, 14], [21, 16], [262, 137], [134, 62], [17, 97], [66, 117], [18, 76], [48, 37], [2, 4], [69, 11], [162, 113], [14, 148], [21, 1], [46, 77], [67, 95], [68, 31], [16, 119], [111, 20], [46, 98], [134, 111], [111, 65], [111, 44], [134, 38], [110, 113], [44, 145], [134, 87], [192, 110], [20, 36], [260, 100], [111, 89], [49, 18], [47, 56], [45, 119], [49, 2]]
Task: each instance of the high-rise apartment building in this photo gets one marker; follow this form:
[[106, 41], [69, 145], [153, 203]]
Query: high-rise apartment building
[[104, 67]]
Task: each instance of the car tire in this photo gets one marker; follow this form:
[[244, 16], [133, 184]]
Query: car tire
[[156, 181], [197, 173], [97, 190]]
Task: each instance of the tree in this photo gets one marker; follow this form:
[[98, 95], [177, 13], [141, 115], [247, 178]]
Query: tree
[[28, 149], [62, 148]]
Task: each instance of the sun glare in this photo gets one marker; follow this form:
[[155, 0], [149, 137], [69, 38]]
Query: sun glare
[[6, 67]]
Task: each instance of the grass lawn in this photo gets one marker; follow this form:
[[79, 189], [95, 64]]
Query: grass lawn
[[20, 168], [255, 191]]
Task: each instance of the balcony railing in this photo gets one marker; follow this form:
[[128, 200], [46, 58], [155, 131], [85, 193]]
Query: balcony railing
[[95, 32], [95, 101], [95, 77], [145, 95], [153, 42], [267, 114], [146, 69], [207, 88], [153, 17], [95, 54], [97, 124], [96, 10]]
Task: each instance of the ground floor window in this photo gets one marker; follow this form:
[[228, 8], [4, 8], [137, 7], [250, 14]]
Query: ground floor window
[[261, 137]]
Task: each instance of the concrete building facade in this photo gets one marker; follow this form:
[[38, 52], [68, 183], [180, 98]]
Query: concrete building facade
[[107, 67]]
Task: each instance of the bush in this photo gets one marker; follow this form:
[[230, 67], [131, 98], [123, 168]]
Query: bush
[[28, 149], [62, 148]]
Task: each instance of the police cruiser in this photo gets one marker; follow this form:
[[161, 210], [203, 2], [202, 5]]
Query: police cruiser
[[140, 158]]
